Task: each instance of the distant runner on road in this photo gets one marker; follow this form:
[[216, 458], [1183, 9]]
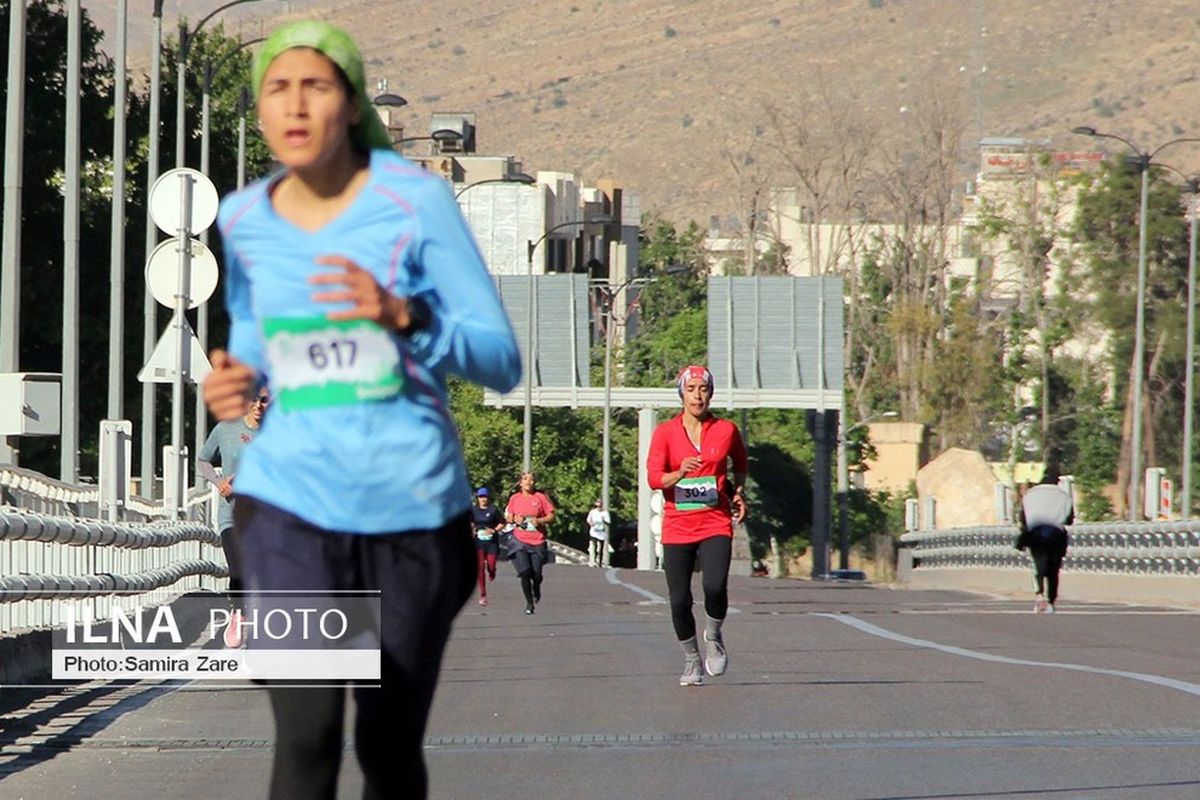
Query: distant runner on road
[[223, 448], [689, 461], [487, 522], [1046, 511], [530, 511]]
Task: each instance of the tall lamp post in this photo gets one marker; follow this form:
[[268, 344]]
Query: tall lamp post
[[441, 135], [185, 44], [843, 468], [10, 239], [149, 305], [1185, 504], [516, 177], [389, 101], [531, 350], [1144, 160], [210, 71], [610, 293], [1191, 185]]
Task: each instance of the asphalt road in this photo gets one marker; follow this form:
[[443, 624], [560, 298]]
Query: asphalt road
[[834, 691]]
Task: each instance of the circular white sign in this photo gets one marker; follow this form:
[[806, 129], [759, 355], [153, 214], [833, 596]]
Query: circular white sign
[[162, 273], [166, 201]]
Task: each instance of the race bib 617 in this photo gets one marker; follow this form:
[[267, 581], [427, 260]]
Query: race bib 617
[[317, 362]]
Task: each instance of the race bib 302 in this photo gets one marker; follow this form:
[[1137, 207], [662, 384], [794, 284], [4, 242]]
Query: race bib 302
[[696, 493]]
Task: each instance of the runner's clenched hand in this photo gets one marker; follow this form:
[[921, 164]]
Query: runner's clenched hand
[[371, 301]]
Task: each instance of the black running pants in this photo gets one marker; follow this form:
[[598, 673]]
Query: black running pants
[[424, 578], [679, 562]]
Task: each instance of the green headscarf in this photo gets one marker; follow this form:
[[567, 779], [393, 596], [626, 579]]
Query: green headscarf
[[336, 45]]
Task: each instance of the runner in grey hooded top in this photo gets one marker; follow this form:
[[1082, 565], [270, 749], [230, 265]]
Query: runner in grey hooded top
[[1046, 511]]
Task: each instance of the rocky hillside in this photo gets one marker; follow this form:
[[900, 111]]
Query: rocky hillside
[[658, 93]]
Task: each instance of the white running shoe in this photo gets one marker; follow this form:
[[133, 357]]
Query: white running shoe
[[716, 660], [233, 631], [1049, 608], [1039, 605], [693, 672]]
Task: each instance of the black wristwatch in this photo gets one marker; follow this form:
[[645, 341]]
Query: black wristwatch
[[419, 316]]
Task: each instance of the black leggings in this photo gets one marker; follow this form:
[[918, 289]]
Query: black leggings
[[527, 561], [233, 557], [424, 577], [679, 562], [1047, 563]]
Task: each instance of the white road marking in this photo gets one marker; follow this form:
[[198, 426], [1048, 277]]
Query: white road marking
[[883, 633], [611, 576], [1113, 611], [655, 599]]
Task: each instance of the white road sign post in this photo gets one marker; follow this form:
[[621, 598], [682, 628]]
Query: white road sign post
[[182, 202]]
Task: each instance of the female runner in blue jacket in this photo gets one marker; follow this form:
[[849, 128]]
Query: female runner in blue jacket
[[354, 289]]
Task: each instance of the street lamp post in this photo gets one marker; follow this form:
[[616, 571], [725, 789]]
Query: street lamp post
[[185, 44], [210, 71], [10, 239], [1191, 185], [389, 101], [1185, 505], [610, 293], [516, 177], [1144, 159], [843, 469], [116, 260], [149, 305], [531, 350], [243, 107], [439, 136]]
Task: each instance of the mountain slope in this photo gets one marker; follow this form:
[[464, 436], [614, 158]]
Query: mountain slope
[[651, 93]]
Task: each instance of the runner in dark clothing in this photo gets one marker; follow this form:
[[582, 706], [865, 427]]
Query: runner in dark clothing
[[486, 520], [1046, 511]]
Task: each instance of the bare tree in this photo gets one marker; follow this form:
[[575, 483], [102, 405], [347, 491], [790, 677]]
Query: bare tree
[[915, 186], [825, 149], [749, 189]]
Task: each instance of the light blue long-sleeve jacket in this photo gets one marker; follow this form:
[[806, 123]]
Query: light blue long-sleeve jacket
[[384, 465]]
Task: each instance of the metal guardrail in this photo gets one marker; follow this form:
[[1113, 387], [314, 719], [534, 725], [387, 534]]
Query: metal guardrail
[[566, 554], [23, 488], [1117, 548], [56, 554]]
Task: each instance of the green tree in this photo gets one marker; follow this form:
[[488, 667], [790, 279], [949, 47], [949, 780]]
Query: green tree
[[965, 387], [1106, 228], [672, 308]]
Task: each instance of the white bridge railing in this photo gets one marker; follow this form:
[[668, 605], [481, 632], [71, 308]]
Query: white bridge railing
[[1118, 548], [56, 553]]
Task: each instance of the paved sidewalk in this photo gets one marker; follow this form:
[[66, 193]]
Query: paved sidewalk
[[834, 691]]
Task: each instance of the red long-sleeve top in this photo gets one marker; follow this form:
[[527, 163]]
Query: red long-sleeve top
[[698, 506]]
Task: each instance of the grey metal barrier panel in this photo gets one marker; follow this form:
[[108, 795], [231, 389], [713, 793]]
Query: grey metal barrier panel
[[775, 332], [1116, 548]]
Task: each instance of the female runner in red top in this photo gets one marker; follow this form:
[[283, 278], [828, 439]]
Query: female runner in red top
[[688, 461], [531, 511]]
